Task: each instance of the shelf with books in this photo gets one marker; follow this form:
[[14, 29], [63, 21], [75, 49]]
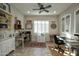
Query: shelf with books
[[5, 20]]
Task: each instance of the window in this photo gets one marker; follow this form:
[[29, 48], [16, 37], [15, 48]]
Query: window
[[66, 23], [41, 26]]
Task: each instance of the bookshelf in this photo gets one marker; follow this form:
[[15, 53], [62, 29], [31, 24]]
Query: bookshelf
[[5, 20]]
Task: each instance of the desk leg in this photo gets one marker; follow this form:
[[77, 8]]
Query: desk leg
[[23, 45], [70, 50], [54, 45]]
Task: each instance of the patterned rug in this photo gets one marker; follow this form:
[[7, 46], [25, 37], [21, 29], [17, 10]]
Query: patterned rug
[[35, 44], [54, 52]]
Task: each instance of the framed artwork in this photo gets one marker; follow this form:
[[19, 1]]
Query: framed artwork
[[53, 25], [28, 24], [17, 24]]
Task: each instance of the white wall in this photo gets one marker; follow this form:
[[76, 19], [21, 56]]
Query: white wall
[[50, 18], [70, 10], [18, 14]]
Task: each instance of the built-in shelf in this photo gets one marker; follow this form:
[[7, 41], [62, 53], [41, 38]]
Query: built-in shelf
[[6, 20], [3, 23], [5, 12]]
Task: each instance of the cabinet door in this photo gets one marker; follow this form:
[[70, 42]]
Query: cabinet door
[[4, 48], [13, 43], [0, 49], [9, 44], [0, 52]]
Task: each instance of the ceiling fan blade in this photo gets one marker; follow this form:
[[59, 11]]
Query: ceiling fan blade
[[39, 4], [46, 10], [40, 11], [48, 6], [36, 9]]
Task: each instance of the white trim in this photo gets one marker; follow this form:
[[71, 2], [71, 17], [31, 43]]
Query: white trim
[[75, 20], [65, 22], [69, 22], [61, 24]]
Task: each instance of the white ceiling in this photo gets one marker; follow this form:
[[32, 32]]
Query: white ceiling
[[25, 7]]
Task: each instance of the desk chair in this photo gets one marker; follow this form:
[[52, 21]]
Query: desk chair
[[27, 36], [58, 42]]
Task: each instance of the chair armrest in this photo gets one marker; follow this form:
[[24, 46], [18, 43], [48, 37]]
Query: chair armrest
[[61, 41]]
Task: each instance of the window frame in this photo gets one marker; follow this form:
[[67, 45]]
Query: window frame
[[75, 20], [41, 26], [65, 23]]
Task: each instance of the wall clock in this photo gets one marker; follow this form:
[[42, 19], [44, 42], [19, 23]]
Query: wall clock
[[53, 26]]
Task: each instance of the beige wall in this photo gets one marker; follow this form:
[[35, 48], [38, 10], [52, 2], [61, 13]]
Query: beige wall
[[50, 18], [70, 10]]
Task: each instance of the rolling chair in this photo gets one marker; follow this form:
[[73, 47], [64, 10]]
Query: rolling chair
[[59, 42]]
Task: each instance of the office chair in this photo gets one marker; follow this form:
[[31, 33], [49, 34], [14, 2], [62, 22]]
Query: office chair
[[58, 42]]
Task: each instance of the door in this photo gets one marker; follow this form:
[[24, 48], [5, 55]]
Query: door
[[4, 48], [41, 28]]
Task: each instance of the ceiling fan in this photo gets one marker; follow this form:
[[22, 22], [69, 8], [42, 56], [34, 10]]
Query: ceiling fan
[[42, 8]]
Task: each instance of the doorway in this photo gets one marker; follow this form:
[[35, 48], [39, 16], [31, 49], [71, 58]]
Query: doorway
[[41, 28]]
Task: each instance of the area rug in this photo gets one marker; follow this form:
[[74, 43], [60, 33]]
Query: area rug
[[35, 44], [55, 52]]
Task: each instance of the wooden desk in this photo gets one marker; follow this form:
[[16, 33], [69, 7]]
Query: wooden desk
[[72, 43]]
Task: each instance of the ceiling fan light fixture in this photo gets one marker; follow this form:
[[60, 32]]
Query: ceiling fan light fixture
[[28, 12], [54, 12], [42, 8]]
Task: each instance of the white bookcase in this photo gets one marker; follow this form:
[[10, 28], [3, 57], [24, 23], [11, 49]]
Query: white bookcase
[[7, 43], [7, 46]]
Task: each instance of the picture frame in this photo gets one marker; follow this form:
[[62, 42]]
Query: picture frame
[[28, 24], [53, 26]]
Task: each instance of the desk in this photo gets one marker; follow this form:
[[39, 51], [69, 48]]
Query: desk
[[72, 43]]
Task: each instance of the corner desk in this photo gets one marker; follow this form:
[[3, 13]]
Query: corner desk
[[72, 43]]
